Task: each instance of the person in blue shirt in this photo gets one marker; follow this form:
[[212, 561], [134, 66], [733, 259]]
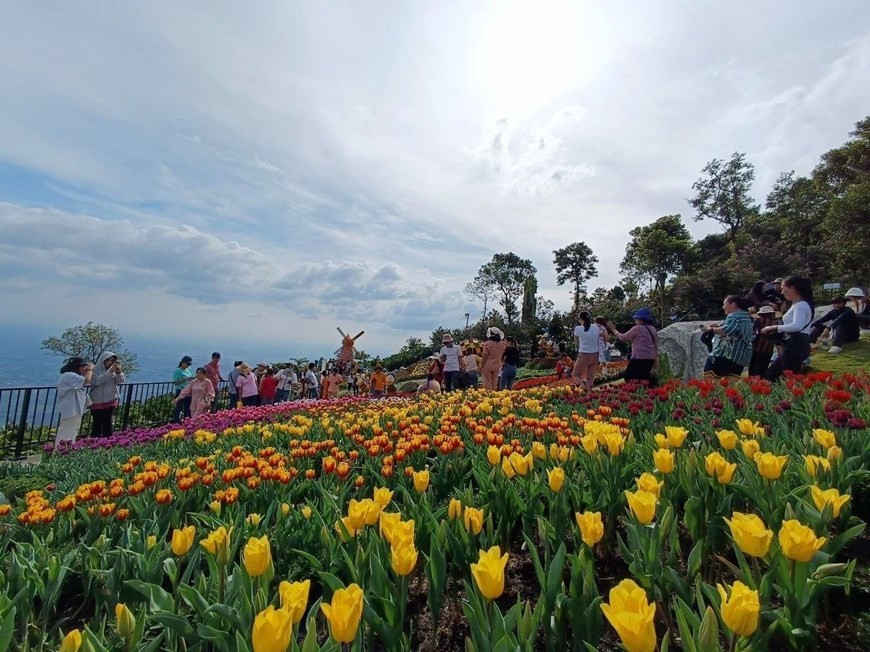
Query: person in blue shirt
[[732, 344], [182, 375]]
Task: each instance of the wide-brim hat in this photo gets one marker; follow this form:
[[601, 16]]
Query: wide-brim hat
[[434, 356], [447, 337], [494, 330], [764, 310], [643, 313], [857, 293]]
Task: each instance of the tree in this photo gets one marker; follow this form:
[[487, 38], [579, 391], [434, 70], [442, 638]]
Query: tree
[[799, 205], [480, 290], [89, 341], [722, 193], [657, 251], [848, 224], [508, 273], [849, 164], [530, 301], [575, 264]]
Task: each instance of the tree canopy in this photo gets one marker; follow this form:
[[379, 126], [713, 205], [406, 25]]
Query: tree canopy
[[575, 264], [507, 274], [89, 341], [722, 193]]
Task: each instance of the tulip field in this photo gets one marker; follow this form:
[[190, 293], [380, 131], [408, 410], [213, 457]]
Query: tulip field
[[710, 515]]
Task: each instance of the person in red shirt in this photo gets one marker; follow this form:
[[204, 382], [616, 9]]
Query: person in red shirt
[[268, 387], [213, 373], [564, 366]]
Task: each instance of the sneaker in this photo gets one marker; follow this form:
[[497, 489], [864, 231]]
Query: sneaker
[[835, 349]]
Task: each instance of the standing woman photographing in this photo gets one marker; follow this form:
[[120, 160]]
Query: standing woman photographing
[[104, 393], [796, 325]]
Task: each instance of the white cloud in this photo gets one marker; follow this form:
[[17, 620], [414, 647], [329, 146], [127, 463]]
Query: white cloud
[[362, 161]]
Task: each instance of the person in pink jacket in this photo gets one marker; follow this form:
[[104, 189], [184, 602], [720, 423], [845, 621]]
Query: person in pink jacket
[[490, 361], [201, 392]]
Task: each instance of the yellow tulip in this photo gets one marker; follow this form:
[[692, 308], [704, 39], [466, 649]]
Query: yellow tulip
[[150, 542], [403, 558], [642, 505], [126, 621], [71, 642], [218, 544], [254, 519], [751, 448], [719, 468], [493, 455], [613, 442], [591, 527], [769, 465], [664, 460], [387, 521], [397, 530], [382, 497], [272, 630], [747, 427], [363, 512], [306, 512], [727, 439], [473, 520], [741, 610], [799, 542], [257, 556], [421, 480], [285, 509], [648, 482], [488, 572], [829, 496], [661, 441], [343, 613], [824, 438], [556, 479], [750, 534], [631, 615], [350, 525], [215, 506], [835, 453], [814, 464], [294, 598], [676, 435], [454, 510], [561, 453], [538, 450], [590, 444], [182, 540]]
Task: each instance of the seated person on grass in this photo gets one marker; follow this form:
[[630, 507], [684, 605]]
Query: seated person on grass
[[844, 325]]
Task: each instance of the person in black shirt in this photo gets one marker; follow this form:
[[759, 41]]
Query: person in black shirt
[[510, 360], [844, 325]]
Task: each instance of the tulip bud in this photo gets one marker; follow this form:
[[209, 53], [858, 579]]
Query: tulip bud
[[126, 621], [71, 642]]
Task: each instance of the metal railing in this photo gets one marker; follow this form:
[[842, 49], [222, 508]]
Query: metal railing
[[31, 415]]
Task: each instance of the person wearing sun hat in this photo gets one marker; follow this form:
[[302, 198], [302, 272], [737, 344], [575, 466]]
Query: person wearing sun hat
[[644, 345], [762, 345], [490, 360], [860, 306]]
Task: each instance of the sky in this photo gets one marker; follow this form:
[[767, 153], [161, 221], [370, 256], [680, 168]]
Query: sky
[[268, 171]]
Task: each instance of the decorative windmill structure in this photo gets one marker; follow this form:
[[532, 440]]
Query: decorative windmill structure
[[346, 353]]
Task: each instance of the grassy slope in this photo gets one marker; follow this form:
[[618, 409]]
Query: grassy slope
[[854, 357]]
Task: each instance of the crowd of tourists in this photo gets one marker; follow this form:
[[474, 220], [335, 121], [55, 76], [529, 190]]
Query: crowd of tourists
[[768, 331]]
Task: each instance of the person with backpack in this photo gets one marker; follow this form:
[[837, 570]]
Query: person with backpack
[[644, 340], [795, 327]]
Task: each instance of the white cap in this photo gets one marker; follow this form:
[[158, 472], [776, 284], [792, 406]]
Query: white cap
[[855, 292]]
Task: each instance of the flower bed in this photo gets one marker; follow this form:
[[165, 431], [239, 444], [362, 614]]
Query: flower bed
[[705, 514]]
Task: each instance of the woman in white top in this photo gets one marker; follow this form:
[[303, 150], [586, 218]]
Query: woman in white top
[[72, 398], [796, 323], [587, 337]]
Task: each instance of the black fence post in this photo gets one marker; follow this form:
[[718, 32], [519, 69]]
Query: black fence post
[[128, 401], [22, 424]]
